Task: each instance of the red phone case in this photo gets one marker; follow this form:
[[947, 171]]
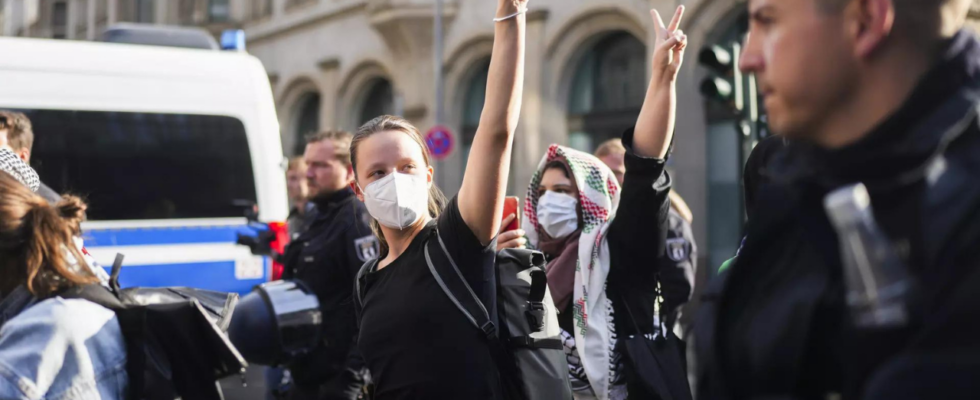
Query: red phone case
[[510, 207]]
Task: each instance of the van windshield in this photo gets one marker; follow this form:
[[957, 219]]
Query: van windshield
[[137, 166]]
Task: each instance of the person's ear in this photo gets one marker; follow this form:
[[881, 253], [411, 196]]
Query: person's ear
[[25, 155], [350, 173], [871, 22], [430, 175], [357, 190]]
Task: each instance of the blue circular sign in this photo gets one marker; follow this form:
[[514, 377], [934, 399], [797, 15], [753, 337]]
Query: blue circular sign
[[440, 142]]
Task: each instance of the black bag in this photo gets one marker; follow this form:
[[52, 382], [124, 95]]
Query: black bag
[[656, 364], [176, 346], [526, 346]]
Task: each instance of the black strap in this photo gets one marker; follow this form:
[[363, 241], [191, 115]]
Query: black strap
[[453, 283], [535, 343], [367, 268]]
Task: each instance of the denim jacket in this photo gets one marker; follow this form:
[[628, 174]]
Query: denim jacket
[[60, 349]]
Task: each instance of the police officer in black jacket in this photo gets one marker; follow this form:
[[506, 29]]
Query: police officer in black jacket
[[885, 93], [326, 257]]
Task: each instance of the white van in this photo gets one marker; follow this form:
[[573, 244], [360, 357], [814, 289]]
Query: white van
[[165, 144]]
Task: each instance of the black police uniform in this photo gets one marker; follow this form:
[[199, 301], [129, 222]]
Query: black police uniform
[[780, 327], [677, 272], [326, 258]]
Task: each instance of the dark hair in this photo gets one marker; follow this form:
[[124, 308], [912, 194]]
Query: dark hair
[[20, 134], [340, 139], [36, 241], [566, 170], [384, 123]]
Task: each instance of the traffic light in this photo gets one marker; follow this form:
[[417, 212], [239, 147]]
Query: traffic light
[[724, 85]]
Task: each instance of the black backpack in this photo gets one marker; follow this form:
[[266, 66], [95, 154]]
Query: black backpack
[[527, 345], [176, 346]]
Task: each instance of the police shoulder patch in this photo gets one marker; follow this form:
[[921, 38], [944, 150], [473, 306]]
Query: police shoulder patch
[[678, 249], [367, 248]]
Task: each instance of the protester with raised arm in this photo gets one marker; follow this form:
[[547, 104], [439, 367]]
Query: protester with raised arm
[[415, 342], [605, 244]]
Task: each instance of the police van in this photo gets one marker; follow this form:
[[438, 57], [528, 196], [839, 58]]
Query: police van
[[171, 148]]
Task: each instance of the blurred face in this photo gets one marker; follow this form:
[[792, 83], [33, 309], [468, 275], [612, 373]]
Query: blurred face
[[296, 186], [325, 174], [804, 62], [617, 163], [389, 152]]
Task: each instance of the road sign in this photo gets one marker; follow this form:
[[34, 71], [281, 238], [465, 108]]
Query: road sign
[[440, 142]]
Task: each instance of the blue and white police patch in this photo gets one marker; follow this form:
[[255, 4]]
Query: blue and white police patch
[[367, 248], [678, 249]]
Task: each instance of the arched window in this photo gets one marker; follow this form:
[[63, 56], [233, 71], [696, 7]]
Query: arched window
[[476, 92], [307, 121], [607, 90], [379, 99]]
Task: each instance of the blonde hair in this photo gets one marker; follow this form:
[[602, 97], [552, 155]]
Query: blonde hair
[[296, 163], [384, 123], [341, 140], [611, 146], [37, 241]]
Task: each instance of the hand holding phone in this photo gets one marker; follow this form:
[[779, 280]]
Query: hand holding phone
[[511, 234]]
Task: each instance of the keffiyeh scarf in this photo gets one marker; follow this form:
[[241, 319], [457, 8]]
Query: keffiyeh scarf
[[13, 165], [594, 332]]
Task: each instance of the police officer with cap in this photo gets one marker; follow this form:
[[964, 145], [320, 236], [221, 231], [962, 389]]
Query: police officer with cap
[[326, 258]]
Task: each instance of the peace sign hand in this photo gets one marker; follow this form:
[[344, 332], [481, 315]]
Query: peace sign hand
[[670, 44]]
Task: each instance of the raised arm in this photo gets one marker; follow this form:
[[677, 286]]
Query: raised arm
[[655, 126], [481, 197]]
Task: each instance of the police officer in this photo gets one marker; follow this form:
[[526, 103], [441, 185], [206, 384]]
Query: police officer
[[326, 257], [885, 93]]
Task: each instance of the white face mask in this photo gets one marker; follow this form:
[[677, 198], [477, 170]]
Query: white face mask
[[397, 200], [557, 214]]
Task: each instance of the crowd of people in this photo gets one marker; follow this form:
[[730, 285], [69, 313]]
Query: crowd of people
[[881, 93]]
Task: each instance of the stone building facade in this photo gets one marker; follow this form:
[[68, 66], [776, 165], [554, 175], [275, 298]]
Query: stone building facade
[[337, 63]]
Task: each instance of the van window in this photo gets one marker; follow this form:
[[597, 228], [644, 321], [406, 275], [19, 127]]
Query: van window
[[135, 166]]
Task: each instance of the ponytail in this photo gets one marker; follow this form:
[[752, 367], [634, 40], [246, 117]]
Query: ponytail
[[37, 246]]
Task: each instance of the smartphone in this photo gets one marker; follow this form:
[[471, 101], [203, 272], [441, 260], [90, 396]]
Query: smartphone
[[510, 207]]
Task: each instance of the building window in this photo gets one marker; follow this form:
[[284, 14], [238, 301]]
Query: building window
[[59, 20], [607, 90], [186, 10], [81, 18], [296, 3], [218, 10], [476, 93], [259, 9], [379, 99], [307, 121], [144, 11]]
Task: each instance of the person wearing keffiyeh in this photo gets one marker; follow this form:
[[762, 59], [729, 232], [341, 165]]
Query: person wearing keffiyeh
[[605, 244]]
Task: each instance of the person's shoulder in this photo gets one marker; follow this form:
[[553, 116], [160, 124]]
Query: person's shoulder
[[74, 317], [65, 323], [35, 344]]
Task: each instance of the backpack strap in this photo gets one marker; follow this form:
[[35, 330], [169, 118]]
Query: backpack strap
[[452, 282], [359, 284]]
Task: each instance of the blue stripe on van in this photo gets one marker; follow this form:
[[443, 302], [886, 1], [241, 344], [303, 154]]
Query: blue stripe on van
[[163, 236], [217, 276]]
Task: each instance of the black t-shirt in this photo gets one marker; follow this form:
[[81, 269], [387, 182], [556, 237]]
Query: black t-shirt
[[416, 343]]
